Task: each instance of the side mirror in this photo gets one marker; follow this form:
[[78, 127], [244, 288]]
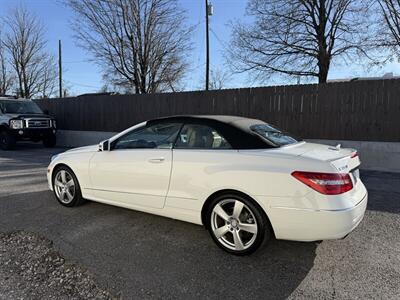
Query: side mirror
[[104, 145]]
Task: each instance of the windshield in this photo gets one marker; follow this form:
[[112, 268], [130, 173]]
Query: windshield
[[274, 135], [19, 107]]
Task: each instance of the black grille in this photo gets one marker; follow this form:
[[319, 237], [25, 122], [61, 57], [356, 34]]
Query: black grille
[[38, 123]]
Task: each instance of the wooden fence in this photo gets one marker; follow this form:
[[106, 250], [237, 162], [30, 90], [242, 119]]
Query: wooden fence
[[359, 110]]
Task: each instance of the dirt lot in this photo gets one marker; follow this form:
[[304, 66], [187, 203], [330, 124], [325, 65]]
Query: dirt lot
[[131, 254]]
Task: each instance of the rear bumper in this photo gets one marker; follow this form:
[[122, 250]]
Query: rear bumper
[[312, 225]]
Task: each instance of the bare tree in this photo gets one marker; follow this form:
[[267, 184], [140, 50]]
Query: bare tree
[[48, 84], [140, 44], [25, 43], [299, 37], [6, 78], [389, 33], [219, 79]]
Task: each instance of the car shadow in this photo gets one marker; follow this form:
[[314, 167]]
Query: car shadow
[[142, 255], [27, 154], [26, 145]]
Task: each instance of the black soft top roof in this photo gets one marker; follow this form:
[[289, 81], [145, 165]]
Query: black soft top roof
[[236, 130]]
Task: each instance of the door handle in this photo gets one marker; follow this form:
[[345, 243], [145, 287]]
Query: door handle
[[157, 160]]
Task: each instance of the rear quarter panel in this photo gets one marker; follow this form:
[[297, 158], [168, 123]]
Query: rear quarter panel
[[196, 174]]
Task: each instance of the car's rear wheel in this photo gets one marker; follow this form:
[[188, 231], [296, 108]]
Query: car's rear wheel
[[66, 187], [237, 225], [7, 140]]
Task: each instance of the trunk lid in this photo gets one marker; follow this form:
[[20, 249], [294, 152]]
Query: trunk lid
[[341, 158]]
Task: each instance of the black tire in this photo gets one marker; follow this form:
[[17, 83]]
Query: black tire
[[50, 141], [7, 140], [76, 198], [250, 215]]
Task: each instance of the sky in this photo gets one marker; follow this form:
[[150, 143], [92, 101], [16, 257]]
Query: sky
[[83, 76]]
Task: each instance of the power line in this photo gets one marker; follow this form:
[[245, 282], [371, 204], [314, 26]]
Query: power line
[[84, 85], [76, 61], [199, 65], [223, 44]]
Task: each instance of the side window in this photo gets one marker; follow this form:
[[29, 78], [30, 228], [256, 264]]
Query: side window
[[195, 136], [160, 136]]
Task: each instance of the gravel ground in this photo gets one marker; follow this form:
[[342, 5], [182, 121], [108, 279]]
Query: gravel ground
[[30, 268]]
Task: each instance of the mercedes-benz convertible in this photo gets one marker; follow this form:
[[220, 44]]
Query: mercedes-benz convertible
[[243, 179]]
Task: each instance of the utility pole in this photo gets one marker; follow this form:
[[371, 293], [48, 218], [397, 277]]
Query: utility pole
[[60, 68], [209, 12]]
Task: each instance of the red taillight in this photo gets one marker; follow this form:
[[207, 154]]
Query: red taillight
[[325, 183], [354, 154]]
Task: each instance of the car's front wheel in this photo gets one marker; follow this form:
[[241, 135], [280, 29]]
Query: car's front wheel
[[66, 187], [237, 225]]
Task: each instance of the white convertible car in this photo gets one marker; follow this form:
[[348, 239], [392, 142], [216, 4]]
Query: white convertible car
[[243, 179]]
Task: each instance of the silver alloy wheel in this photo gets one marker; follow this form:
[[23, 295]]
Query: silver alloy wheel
[[64, 186], [234, 224]]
